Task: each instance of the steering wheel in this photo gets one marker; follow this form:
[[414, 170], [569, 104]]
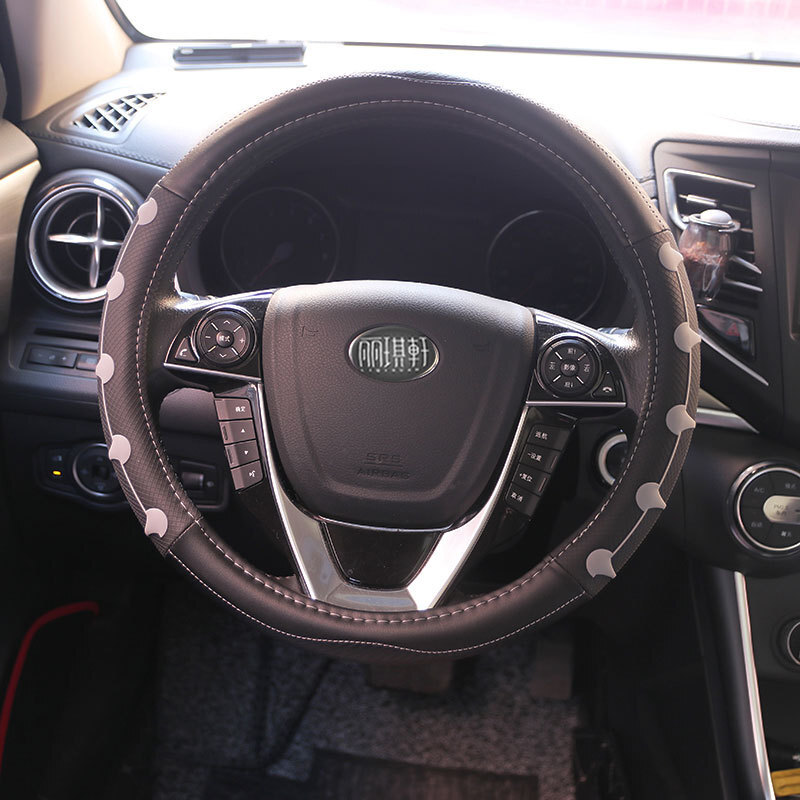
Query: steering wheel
[[393, 427]]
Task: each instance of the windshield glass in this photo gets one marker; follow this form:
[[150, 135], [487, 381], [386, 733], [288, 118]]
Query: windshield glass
[[749, 29]]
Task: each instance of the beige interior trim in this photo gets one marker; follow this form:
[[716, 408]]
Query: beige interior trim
[[18, 167], [63, 46]]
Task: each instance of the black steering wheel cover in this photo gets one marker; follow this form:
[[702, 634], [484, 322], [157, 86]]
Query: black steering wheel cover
[[664, 391]]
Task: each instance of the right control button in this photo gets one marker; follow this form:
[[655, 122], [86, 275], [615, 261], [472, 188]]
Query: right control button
[[569, 367]]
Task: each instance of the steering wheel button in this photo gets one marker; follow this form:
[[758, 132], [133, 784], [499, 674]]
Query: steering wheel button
[[224, 338], [233, 408], [570, 386], [539, 457], [587, 369], [248, 475], [237, 431], [242, 453], [522, 500], [569, 367], [530, 479], [549, 436], [607, 390], [570, 351], [552, 368]]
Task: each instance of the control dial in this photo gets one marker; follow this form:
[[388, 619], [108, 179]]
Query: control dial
[[226, 337], [767, 507], [569, 367]]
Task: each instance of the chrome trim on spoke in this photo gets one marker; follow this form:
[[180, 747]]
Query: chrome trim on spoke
[[316, 566], [211, 372], [753, 697]]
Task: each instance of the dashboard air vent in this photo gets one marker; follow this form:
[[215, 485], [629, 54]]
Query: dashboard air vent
[[112, 116], [76, 231], [692, 192]]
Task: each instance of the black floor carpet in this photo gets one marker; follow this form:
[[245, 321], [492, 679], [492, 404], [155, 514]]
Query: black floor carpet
[[335, 776], [242, 716]]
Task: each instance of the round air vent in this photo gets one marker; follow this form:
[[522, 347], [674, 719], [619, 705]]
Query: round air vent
[[76, 232]]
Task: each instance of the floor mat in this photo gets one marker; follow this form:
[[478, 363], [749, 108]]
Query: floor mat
[[231, 699], [336, 776]]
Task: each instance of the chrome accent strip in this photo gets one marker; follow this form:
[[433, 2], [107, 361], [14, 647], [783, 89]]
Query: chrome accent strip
[[577, 403], [316, 566], [731, 284], [212, 372], [787, 643], [602, 456], [748, 265], [753, 697], [716, 418], [671, 196], [735, 361]]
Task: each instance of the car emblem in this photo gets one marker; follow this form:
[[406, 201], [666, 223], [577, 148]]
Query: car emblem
[[393, 353]]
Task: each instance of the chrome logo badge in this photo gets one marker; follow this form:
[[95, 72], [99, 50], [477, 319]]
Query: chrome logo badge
[[393, 353]]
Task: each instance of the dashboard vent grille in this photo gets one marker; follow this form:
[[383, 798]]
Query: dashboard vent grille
[[76, 232], [111, 117], [692, 192]]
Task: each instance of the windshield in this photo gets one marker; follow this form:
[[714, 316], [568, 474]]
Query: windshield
[[748, 29]]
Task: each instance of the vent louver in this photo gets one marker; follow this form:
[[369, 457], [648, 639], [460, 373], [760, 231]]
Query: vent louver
[[76, 231], [112, 116], [692, 192]]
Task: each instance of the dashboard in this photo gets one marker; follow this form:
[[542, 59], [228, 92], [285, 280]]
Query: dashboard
[[431, 212]]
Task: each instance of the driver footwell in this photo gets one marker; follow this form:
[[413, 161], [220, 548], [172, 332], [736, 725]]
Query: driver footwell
[[241, 716]]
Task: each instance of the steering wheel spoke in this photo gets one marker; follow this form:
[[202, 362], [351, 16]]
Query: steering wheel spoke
[[407, 569], [581, 370], [207, 341]]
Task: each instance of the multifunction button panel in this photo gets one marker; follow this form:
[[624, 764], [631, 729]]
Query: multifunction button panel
[[766, 507], [573, 368], [223, 338], [238, 429], [536, 463]]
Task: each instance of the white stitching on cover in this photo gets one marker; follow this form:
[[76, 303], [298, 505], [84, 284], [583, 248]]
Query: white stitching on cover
[[296, 601], [378, 644]]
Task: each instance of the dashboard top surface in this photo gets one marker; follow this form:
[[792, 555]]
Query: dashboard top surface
[[627, 103]]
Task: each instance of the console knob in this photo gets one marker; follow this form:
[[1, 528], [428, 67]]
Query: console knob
[[767, 507]]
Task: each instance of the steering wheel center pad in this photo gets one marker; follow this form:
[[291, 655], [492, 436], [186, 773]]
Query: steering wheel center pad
[[416, 453], [662, 386]]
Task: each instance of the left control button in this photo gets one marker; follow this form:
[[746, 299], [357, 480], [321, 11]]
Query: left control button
[[248, 475], [233, 408], [237, 431], [184, 352]]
